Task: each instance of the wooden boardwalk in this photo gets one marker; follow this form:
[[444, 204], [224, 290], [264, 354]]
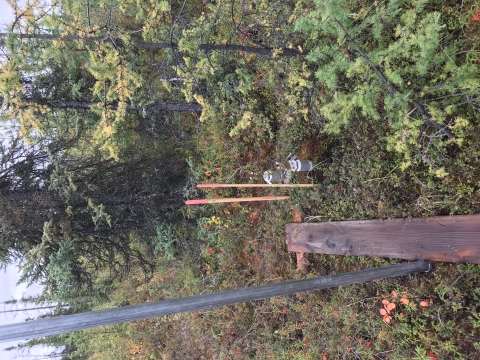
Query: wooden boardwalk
[[442, 238]]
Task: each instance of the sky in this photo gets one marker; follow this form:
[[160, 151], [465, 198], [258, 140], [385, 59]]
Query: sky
[[5, 13], [9, 278], [10, 290]]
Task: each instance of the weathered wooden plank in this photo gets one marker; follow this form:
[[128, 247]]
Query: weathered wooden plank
[[443, 238]]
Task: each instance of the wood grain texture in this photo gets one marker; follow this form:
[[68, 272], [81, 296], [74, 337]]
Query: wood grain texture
[[443, 238]]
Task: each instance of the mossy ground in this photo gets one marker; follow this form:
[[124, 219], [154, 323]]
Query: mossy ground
[[242, 245]]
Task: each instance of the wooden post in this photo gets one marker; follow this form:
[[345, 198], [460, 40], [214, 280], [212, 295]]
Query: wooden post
[[255, 185], [67, 323], [229, 200]]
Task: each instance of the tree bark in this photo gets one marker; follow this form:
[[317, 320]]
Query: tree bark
[[30, 309], [266, 51], [86, 105]]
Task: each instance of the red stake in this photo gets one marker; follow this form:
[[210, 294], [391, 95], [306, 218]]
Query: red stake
[[226, 200]]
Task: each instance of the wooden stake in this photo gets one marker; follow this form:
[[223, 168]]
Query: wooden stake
[[229, 200], [254, 185]]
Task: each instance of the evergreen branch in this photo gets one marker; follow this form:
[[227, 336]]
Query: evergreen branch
[[235, 26], [173, 24], [18, 17], [391, 87]]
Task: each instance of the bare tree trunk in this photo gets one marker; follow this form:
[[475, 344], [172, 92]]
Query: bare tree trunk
[[204, 47], [86, 105], [34, 308]]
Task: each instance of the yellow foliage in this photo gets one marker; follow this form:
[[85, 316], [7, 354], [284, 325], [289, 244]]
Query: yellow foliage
[[243, 124], [277, 52]]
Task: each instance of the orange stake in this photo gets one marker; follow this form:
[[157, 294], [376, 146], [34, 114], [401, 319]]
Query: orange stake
[[228, 200]]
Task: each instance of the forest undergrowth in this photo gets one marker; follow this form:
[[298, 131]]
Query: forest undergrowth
[[383, 98]]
